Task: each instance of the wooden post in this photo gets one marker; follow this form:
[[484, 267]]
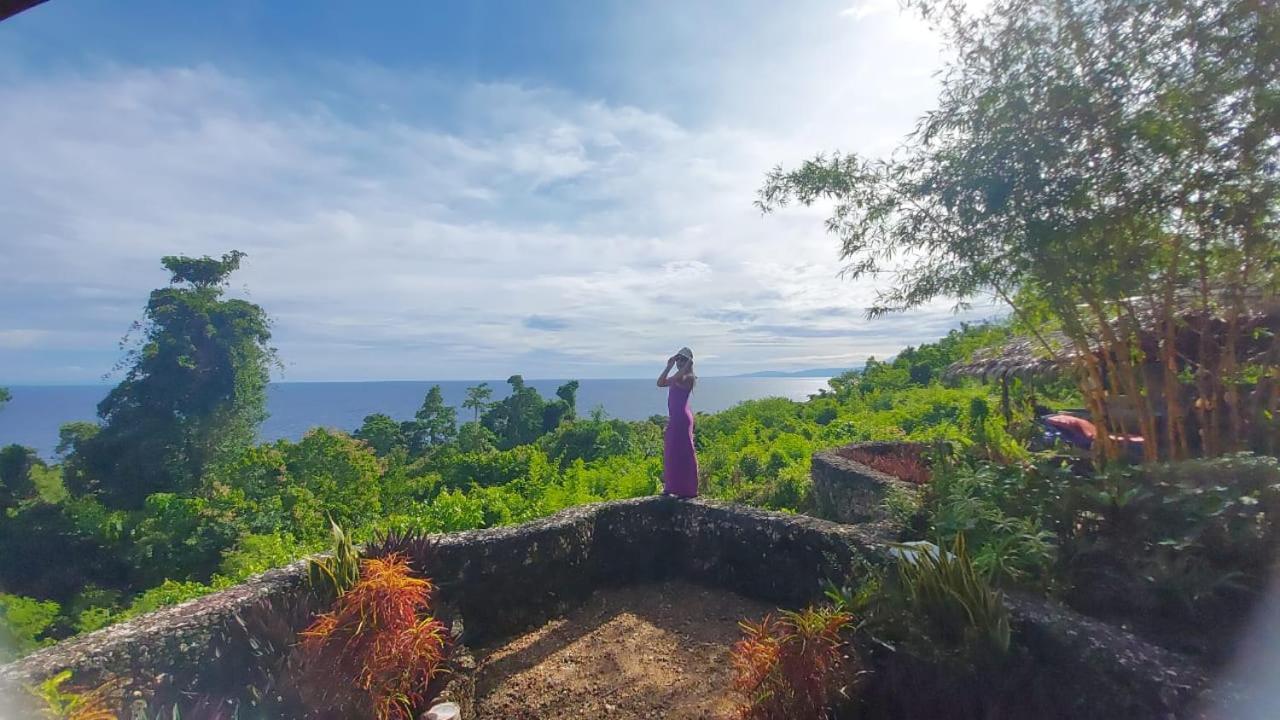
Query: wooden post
[[1005, 409]]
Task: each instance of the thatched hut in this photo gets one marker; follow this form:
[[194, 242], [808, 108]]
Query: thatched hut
[[1200, 339]]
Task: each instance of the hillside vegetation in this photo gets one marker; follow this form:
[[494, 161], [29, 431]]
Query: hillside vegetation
[[167, 497]]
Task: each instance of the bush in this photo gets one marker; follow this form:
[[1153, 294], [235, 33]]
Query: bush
[[1188, 541], [949, 608], [170, 592], [336, 573], [23, 623], [254, 554], [1000, 510], [373, 652], [789, 668]]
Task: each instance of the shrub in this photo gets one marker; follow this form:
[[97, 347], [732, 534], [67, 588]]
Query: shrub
[[1188, 541], [375, 643], [947, 607], [414, 547], [22, 623], [1001, 511], [170, 592], [788, 668], [336, 573], [253, 554], [94, 704]]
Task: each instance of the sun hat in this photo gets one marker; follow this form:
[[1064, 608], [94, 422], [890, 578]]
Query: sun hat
[[686, 352]]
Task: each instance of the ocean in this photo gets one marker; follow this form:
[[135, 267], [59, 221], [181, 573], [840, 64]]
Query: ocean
[[34, 414]]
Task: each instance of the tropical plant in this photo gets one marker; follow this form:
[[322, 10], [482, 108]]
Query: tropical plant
[[949, 607], [381, 432], [790, 667], [518, 418], [419, 550], [334, 574], [98, 703], [1189, 541], [377, 643]]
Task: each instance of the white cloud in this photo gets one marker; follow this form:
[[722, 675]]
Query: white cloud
[[867, 8], [418, 237]]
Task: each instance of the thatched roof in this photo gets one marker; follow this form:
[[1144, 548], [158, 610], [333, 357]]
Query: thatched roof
[[1027, 357], [1020, 357]]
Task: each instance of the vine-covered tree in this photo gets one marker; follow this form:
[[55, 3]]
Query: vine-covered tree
[[194, 390], [563, 409], [1110, 166]]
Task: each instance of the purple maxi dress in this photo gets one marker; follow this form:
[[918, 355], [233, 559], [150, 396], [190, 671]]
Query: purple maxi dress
[[679, 464]]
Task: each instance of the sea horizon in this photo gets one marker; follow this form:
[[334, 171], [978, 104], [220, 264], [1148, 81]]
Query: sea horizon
[[35, 413]]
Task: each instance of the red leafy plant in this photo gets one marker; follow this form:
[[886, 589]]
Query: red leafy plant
[[789, 667], [898, 463], [377, 651]]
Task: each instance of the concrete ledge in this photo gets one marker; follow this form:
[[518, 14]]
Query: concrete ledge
[[848, 491]]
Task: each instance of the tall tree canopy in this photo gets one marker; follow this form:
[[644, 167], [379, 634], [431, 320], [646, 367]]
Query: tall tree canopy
[[195, 387], [1110, 165], [478, 399], [435, 422]]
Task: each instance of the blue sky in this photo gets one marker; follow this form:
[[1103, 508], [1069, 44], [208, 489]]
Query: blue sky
[[448, 190]]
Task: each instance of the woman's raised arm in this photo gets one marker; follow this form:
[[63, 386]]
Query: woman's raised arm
[[663, 380]]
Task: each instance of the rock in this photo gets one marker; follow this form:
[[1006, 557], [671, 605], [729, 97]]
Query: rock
[[444, 711]]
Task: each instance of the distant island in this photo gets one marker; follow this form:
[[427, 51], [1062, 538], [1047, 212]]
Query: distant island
[[811, 372]]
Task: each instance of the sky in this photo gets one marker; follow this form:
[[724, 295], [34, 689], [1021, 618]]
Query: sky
[[450, 190]]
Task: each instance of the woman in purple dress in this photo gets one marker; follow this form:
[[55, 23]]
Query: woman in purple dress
[[679, 464]]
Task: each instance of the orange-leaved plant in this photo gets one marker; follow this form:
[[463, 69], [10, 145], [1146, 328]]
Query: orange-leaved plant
[[788, 668], [376, 641]]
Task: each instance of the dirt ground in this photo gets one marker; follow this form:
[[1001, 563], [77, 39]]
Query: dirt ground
[[647, 651]]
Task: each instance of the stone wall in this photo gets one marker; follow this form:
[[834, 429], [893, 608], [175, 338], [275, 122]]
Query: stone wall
[[850, 492], [504, 580]]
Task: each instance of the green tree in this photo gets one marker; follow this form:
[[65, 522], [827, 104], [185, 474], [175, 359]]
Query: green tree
[[72, 438], [568, 394], [476, 438], [518, 418], [16, 485], [381, 432], [478, 399], [195, 388], [340, 476], [563, 409], [4, 396], [1109, 165], [434, 424]]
